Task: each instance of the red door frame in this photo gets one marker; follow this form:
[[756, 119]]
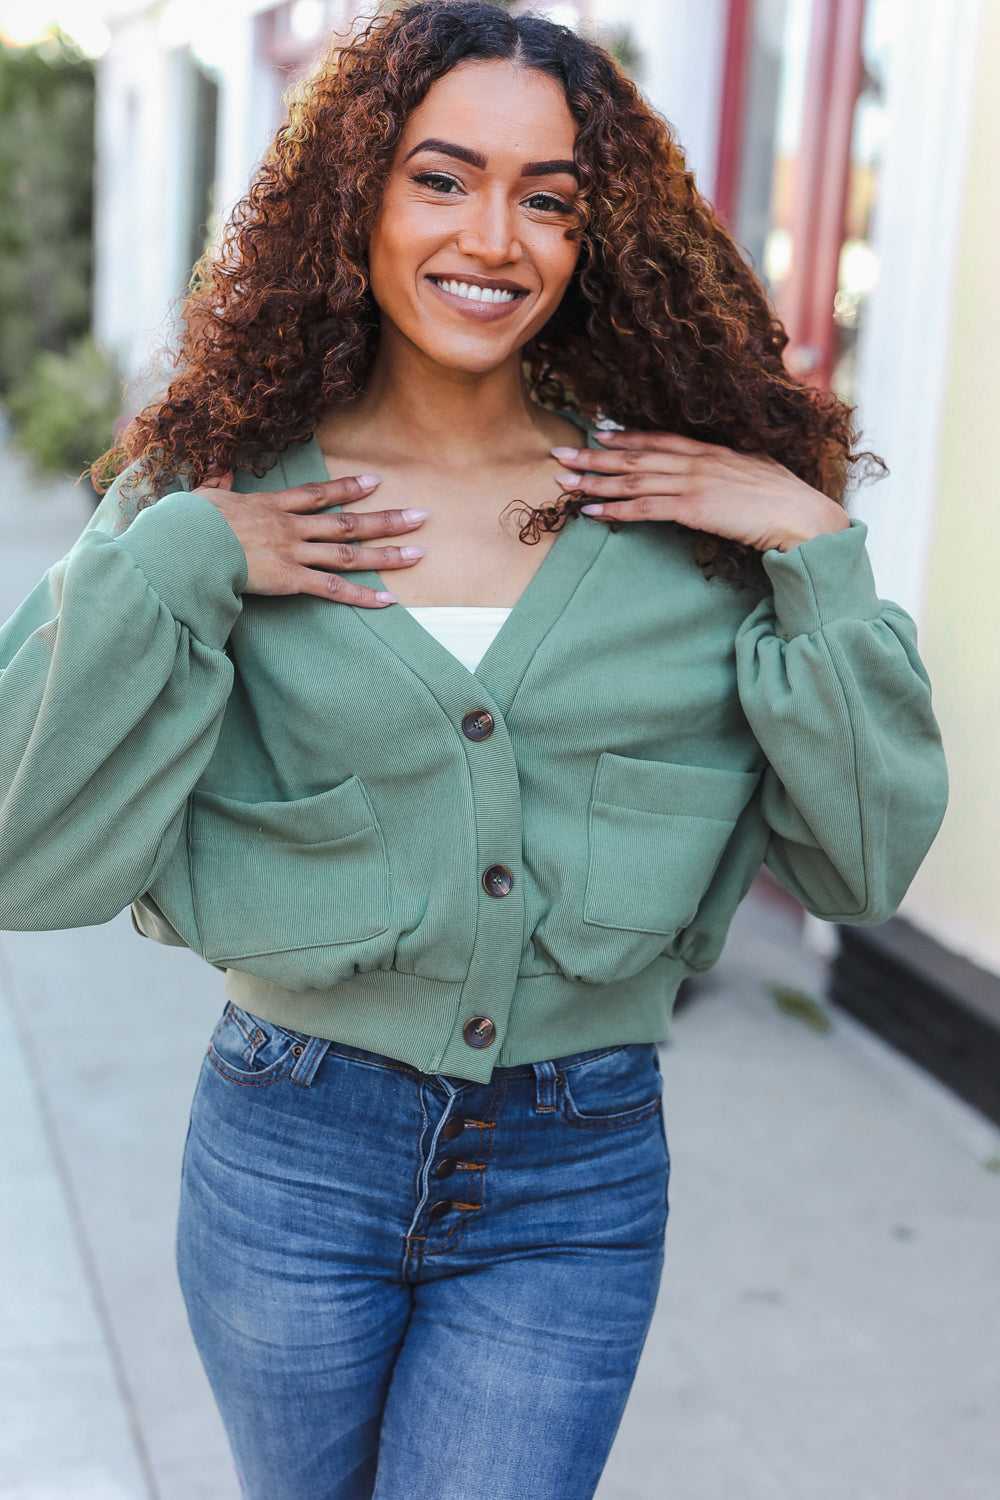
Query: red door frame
[[832, 78]]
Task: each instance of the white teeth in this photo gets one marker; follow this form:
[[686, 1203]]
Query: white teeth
[[477, 293]]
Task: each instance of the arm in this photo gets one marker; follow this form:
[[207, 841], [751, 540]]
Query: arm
[[829, 676], [113, 682], [839, 702], [114, 677]]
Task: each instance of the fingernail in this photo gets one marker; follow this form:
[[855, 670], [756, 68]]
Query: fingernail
[[369, 481], [565, 455], [591, 510], [385, 598], [570, 481], [412, 551], [415, 515]]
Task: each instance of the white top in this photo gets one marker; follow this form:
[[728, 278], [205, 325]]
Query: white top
[[466, 630]]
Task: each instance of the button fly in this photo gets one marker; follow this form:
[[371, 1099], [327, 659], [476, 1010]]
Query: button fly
[[479, 1032], [497, 880], [452, 1128], [445, 1166], [439, 1209], [478, 725]]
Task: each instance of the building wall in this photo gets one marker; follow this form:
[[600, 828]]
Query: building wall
[[956, 897]]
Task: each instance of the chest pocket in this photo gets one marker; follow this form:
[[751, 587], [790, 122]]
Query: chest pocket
[[656, 834], [273, 877]]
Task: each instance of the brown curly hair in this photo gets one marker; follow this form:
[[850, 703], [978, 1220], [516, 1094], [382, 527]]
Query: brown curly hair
[[663, 326]]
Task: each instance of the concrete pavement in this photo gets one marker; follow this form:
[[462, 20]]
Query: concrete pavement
[[827, 1326]]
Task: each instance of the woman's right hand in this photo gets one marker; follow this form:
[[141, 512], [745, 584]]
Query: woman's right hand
[[292, 549]]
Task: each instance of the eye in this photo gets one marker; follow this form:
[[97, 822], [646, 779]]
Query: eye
[[549, 203], [438, 182]]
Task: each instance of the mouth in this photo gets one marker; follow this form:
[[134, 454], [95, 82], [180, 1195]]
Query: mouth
[[479, 291]]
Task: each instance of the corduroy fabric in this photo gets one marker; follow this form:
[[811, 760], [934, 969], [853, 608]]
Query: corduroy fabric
[[283, 784]]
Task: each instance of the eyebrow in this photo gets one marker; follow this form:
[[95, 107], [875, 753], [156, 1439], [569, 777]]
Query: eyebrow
[[478, 160]]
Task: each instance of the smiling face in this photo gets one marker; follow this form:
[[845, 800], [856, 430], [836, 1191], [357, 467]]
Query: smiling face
[[472, 248]]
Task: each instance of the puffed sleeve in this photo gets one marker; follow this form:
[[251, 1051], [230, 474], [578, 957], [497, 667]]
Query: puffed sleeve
[[113, 682], [855, 785]]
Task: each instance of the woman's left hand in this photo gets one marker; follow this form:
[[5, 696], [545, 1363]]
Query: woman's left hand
[[658, 476]]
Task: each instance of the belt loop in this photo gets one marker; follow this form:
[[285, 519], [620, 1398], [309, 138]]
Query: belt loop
[[312, 1055], [546, 1077]]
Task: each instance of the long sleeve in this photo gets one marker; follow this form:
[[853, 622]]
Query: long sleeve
[[838, 699], [113, 682]]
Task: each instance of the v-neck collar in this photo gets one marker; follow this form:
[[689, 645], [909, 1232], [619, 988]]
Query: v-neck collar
[[547, 594]]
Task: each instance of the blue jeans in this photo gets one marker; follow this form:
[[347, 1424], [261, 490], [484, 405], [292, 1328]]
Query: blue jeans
[[407, 1286]]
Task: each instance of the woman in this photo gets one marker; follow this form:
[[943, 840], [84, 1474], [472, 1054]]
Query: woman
[[424, 1188]]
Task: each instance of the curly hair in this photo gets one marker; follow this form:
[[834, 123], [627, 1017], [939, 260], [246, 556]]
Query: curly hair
[[663, 326]]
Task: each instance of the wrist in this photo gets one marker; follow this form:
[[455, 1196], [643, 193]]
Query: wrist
[[819, 521]]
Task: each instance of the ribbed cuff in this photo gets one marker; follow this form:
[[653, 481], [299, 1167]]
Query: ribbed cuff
[[191, 556], [824, 579]]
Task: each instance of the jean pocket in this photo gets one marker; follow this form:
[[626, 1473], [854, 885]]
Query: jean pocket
[[250, 1051], [613, 1088]]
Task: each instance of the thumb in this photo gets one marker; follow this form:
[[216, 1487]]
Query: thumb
[[218, 481]]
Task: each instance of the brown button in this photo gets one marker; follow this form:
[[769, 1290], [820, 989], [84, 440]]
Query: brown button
[[497, 880], [479, 1032], [454, 1127], [478, 725], [439, 1209], [298, 1049], [445, 1166]]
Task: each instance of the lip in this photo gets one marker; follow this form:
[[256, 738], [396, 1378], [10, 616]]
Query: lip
[[480, 312], [496, 283]]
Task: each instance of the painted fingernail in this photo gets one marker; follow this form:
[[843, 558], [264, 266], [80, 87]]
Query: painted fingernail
[[412, 551], [570, 481], [565, 455], [415, 515], [386, 598], [369, 481], [591, 510]]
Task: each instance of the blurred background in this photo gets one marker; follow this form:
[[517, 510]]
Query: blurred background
[[850, 145]]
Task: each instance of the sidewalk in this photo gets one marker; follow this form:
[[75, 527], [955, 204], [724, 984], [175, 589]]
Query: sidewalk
[[827, 1328]]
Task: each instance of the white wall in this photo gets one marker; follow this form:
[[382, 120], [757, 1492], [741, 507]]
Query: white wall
[[906, 338], [683, 44]]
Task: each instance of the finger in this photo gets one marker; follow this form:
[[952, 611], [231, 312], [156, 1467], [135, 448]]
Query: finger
[[624, 486], [324, 492], [646, 508], [332, 586], [346, 557], [358, 525], [622, 460], [659, 442]]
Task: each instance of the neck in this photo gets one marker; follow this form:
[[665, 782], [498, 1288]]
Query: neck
[[424, 412]]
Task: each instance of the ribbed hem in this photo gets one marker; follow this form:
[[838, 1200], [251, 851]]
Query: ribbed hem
[[824, 579], [190, 554], [413, 1019]]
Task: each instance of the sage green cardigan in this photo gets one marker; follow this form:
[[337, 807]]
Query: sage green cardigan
[[285, 784]]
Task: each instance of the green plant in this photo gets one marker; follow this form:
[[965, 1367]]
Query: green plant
[[46, 168], [66, 406]]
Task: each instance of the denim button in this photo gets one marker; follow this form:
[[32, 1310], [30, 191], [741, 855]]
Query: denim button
[[439, 1209], [454, 1127], [479, 1032], [445, 1166], [478, 725], [497, 880]]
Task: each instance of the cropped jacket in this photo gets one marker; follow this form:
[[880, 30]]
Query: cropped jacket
[[456, 870]]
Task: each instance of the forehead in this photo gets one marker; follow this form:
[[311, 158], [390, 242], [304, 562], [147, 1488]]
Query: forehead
[[495, 105]]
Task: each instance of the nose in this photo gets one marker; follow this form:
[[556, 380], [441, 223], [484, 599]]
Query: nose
[[489, 234]]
